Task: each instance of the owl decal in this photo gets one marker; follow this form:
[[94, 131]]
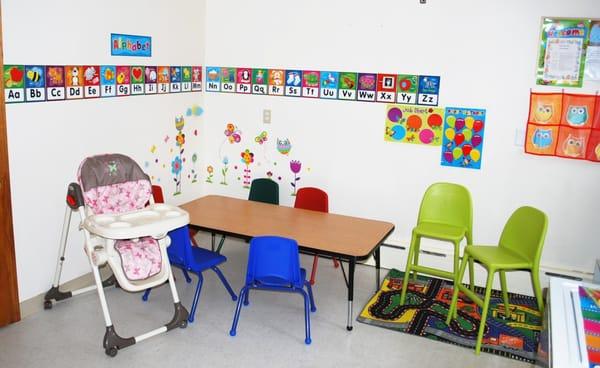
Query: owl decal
[[542, 138], [577, 115], [543, 112], [574, 146]]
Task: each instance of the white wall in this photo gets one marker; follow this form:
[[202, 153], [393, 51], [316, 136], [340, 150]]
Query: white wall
[[47, 141], [485, 53]]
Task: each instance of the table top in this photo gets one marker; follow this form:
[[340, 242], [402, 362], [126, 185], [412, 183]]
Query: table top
[[326, 232]]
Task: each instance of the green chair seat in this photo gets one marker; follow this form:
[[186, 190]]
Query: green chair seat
[[497, 258], [446, 214], [440, 231]]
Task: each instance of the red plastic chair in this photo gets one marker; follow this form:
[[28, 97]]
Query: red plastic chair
[[157, 195], [313, 199]]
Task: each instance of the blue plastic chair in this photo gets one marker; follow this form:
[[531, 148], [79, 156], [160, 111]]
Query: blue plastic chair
[[274, 264], [193, 259]]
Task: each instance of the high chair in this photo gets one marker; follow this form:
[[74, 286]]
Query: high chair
[[122, 232]]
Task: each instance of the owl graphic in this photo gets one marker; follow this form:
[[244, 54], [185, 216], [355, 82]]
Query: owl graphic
[[573, 146], [543, 112], [542, 138], [577, 115]]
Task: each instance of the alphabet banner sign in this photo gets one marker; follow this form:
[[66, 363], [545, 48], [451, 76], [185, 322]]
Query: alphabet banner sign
[[351, 86], [37, 83], [130, 45]]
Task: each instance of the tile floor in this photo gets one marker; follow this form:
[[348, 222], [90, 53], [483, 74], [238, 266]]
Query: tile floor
[[270, 332]]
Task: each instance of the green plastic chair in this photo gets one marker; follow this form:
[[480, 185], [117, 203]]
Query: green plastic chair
[[520, 248], [446, 214], [264, 190]]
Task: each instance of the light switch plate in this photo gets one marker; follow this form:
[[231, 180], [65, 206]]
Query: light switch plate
[[266, 116]]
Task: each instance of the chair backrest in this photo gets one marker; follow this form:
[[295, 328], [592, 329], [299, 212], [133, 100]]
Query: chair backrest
[[525, 232], [313, 199], [264, 190], [273, 261], [180, 250], [157, 194], [113, 183], [447, 203]]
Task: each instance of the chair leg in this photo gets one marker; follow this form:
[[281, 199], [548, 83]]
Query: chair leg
[[484, 310], [238, 309], [246, 298], [456, 264], [188, 279], [146, 294], [225, 283], [408, 268], [196, 297], [452, 311], [537, 290], [307, 340], [416, 254], [504, 294], [313, 307], [471, 275], [313, 273]]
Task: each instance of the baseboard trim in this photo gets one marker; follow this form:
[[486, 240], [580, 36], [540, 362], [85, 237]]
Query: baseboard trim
[[35, 304]]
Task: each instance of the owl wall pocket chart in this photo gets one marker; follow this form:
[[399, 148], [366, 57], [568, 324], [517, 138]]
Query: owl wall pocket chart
[[564, 125]]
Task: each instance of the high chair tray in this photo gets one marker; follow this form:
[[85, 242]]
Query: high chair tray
[[155, 220]]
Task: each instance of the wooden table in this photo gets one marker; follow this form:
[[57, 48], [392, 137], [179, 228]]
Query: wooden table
[[347, 238]]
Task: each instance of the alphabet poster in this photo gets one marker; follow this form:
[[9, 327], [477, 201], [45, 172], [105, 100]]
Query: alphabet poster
[[564, 125], [414, 124], [38, 83], [349, 86], [463, 137]]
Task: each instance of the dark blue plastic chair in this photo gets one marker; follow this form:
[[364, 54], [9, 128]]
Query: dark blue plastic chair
[[274, 264], [193, 259]]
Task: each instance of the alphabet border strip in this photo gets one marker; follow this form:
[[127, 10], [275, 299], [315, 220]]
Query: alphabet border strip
[[354, 86], [39, 83]]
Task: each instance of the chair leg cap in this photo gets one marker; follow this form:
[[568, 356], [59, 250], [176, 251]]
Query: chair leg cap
[[232, 333], [246, 303], [234, 298], [313, 309], [307, 341]]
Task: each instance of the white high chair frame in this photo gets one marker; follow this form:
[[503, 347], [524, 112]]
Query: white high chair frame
[[100, 234]]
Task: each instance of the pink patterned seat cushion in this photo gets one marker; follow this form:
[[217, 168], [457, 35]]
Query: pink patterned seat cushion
[[140, 259], [118, 198]]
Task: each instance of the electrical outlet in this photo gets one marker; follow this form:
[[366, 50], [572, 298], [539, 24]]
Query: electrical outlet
[[266, 116]]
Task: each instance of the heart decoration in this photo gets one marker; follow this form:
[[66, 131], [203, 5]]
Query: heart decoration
[[137, 73]]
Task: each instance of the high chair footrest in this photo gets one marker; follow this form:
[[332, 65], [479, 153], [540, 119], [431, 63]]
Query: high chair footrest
[[113, 342], [180, 318]]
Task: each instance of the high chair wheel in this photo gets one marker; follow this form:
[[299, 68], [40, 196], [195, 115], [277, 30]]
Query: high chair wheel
[[183, 324], [47, 304], [112, 351]]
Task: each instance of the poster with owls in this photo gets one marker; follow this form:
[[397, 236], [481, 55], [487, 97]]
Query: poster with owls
[[564, 125]]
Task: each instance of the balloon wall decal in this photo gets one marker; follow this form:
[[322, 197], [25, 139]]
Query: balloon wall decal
[[463, 137]]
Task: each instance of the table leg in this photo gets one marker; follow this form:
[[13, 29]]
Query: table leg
[[377, 268], [351, 265], [212, 241]]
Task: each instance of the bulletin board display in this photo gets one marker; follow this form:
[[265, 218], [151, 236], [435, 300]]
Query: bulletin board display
[[39, 83], [564, 125], [333, 85], [562, 54]]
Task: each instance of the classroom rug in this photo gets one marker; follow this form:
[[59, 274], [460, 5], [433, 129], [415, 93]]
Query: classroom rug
[[424, 314]]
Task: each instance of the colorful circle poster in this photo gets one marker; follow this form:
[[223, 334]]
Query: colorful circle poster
[[414, 124], [462, 144]]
